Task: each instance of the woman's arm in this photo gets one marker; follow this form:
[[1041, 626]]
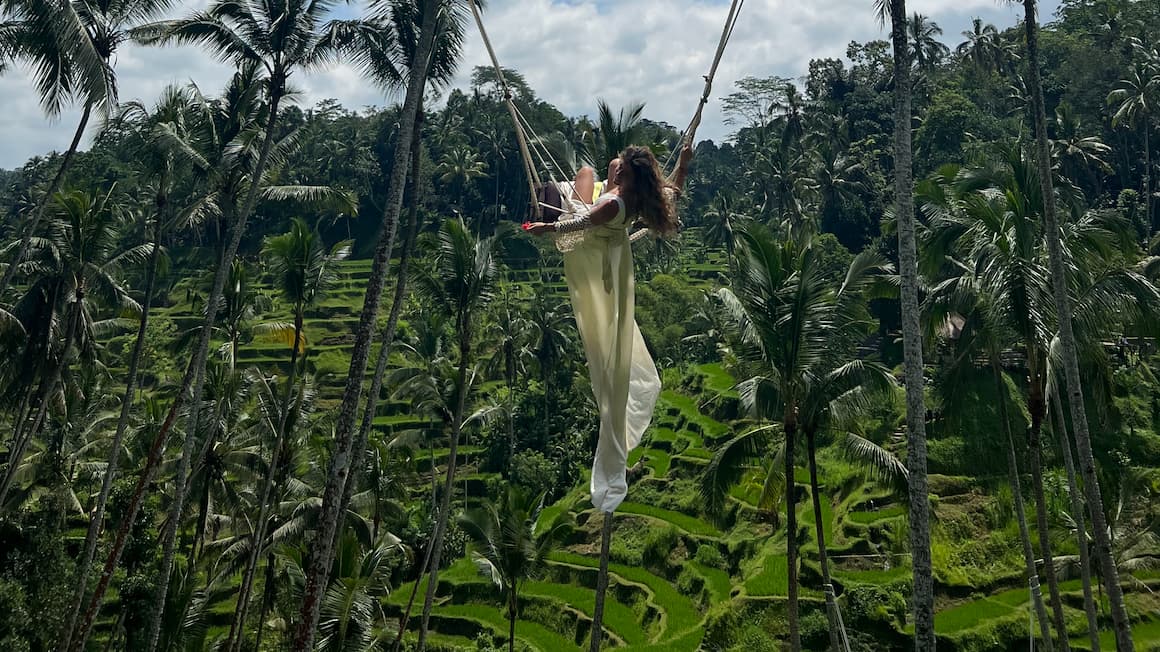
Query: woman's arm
[[601, 214]]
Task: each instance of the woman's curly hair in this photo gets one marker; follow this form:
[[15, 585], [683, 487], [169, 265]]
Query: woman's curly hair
[[650, 199]]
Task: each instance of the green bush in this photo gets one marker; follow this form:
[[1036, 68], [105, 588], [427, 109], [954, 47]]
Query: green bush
[[533, 471], [815, 630], [689, 582], [870, 604], [946, 455], [710, 556], [658, 545]]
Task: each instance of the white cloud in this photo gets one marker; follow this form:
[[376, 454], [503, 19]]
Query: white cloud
[[572, 53]]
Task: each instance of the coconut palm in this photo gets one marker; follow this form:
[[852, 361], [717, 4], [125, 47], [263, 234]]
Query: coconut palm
[[77, 267], [1077, 155], [458, 168], [979, 45], [1103, 548], [171, 115], [1134, 98], [429, 39], [722, 220], [926, 49], [791, 325], [378, 64], [461, 282], [304, 271], [614, 131], [984, 333], [510, 543], [71, 48], [281, 39], [352, 615], [922, 596]]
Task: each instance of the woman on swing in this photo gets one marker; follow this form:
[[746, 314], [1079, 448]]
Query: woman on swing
[[598, 268]]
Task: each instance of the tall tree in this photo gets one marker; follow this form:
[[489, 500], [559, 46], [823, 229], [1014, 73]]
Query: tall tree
[[1103, 547], [281, 39], [510, 544], [71, 48], [922, 596], [925, 48], [171, 115], [461, 282], [334, 499], [80, 265], [1134, 99], [304, 270]]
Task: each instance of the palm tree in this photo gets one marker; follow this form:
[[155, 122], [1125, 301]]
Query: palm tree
[[1077, 155], [352, 613], [510, 543], [1133, 98], [985, 332], [282, 39], [170, 115], [723, 219], [458, 168], [979, 45], [925, 48], [305, 271], [462, 282], [998, 237], [614, 132], [1083, 558], [376, 61], [792, 325], [922, 595], [78, 271], [1123, 631], [71, 47]]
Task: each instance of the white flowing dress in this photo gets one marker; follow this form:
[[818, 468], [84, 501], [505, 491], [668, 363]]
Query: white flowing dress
[[598, 268]]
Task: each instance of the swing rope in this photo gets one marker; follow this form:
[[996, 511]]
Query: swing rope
[[538, 145], [726, 33], [831, 598], [529, 168]]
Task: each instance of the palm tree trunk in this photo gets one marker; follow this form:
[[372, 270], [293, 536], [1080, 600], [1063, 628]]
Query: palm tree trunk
[[414, 591], [322, 552], [1123, 629], [597, 632], [47, 388], [276, 85], [823, 558], [919, 504], [1020, 512], [512, 607], [368, 420], [238, 623], [268, 595], [144, 480], [1147, 176], [42, 206], [449, 482], [1085, 567], [96, 521], [791, 613], [1037, 408], [192, 383]]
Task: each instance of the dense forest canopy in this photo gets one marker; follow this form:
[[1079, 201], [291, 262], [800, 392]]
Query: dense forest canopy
[[291, 377]]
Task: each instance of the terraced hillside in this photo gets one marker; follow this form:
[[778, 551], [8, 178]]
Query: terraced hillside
[[682, 579]]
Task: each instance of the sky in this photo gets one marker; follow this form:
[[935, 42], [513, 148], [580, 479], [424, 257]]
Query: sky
[[572, 53]]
